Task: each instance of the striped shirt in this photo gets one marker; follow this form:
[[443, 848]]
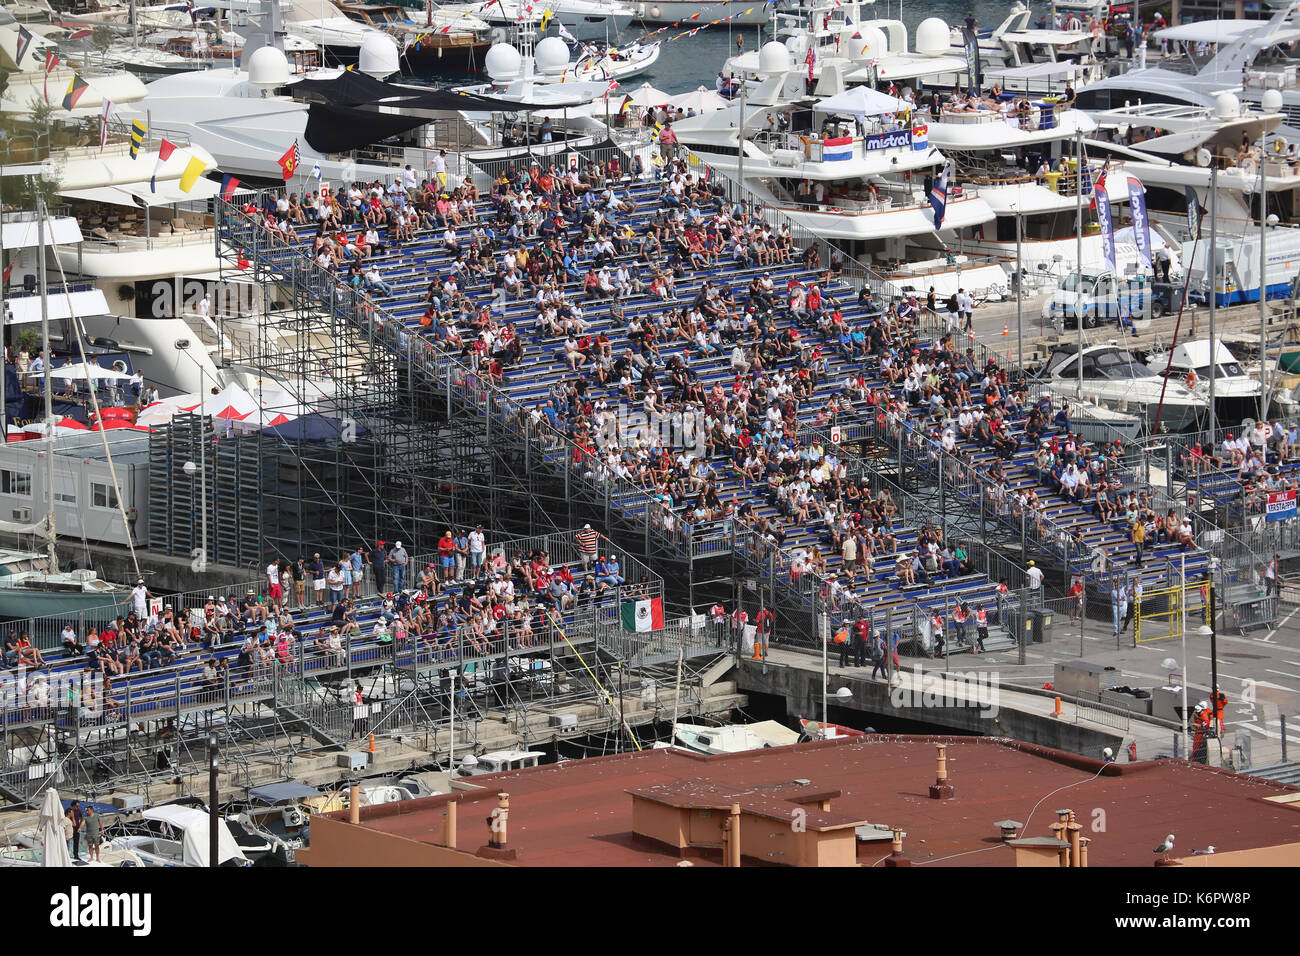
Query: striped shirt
[[587, 541]]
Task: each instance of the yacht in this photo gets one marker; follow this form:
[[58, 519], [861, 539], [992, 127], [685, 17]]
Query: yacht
[[1237, 396], [1112, 377], [581, 19], [674, 11]]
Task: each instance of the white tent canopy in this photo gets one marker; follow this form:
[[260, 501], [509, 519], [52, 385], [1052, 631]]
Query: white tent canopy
[[647, 95], [80, 371], [862, 101], [23, 233], [701, 99]]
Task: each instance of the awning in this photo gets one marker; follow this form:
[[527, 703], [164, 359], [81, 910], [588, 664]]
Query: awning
[[27, 308], [289, 790], [137, 195], [862, 101], [22, 233], [352, 88], [338, 129]]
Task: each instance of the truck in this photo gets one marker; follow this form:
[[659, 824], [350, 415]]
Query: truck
[[1103, 297]]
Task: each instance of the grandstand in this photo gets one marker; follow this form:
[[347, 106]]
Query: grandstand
[[59, 724], [516, 395]]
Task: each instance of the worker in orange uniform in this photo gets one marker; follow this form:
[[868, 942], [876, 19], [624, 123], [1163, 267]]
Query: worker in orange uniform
[[1220, 701], [1202, 720]]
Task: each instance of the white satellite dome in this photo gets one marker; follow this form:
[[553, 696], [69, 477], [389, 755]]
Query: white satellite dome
[[1227, 106], [932, 37], [774, 57], [551, 56], [1271, 101], [871, 45], [378, 56], [502, 62], [797, 46], [268, 68]]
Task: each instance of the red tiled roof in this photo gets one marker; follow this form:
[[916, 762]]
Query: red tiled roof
[[580, 812]]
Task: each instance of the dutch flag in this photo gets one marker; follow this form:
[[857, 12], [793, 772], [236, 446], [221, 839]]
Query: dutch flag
[[838, 149]]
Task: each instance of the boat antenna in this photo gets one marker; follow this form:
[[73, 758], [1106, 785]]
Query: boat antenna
[[80, 337], [42, 217]]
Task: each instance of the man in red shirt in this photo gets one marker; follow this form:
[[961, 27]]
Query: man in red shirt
[[447, 555]]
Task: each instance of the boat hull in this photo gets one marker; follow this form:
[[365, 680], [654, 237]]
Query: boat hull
[[24, 603]]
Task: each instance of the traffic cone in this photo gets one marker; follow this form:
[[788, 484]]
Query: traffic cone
[[970, 334], [372, 748], [1005, 330]]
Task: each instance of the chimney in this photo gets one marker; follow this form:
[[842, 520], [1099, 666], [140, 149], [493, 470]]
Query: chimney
[[1083, 851], [449, 826], [354, 804], [1074, 836], [734, 845], [942, 788], [896, 857], [1009, 829], [1058, 831], [497, 822]]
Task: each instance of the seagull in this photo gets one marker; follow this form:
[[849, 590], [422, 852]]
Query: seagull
[[1166, 846], [1208, 851]]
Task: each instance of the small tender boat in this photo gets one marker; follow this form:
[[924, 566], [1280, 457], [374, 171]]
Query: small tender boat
[[1236, 395], [815, 730], [499, 761], [735, 738]]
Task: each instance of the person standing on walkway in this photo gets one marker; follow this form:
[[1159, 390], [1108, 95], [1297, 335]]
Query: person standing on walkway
[[1270, 577], [981, 629], [588, 543], [1116, 612], [878, 656], [1132, 605], [1034, 575], [90, 825], [379, 565], [78, 820], [399, 559], [861, 637]]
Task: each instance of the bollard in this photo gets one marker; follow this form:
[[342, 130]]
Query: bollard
[[371, 748], [1056, 712]]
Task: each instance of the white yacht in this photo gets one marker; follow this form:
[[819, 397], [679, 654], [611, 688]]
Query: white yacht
[[582, 19], [674, 11], [1237, 395], [1110, 376]]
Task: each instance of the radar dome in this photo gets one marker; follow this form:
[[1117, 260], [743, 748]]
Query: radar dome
[[502, 62], [268, 68], [932, 37], [797, 46], [378, 56], [1227, 106], [774, 57], [870, 46], [1271, 101], [551, 56]]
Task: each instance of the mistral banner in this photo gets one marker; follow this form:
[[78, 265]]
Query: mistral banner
[[1107, 223], [896, 139], [1137, 202]]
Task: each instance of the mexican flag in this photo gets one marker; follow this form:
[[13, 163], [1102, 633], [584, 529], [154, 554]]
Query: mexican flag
[[645, 615]]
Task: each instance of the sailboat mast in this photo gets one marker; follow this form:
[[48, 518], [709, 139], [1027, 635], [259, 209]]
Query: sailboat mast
[[49, 392]]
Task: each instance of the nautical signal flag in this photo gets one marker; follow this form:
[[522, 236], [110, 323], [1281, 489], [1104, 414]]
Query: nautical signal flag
[[546, 19], [165, 150], [76, 88], [228, 186], [193, 170], [138, 133], [315, 171], [289, 161], [51, 61], [24, 44], [627, 102]]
